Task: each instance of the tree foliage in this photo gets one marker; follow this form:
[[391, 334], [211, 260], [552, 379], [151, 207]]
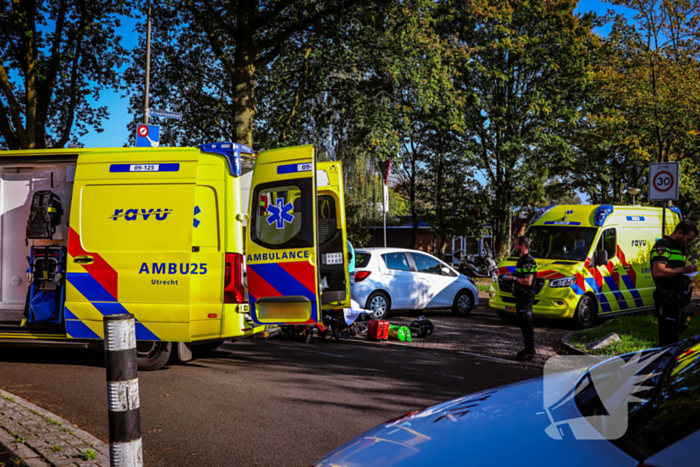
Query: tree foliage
[[525, 80], [56, 56], [211, 52]]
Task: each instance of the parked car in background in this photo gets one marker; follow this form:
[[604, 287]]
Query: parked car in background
[[571, 418], [388, 279]]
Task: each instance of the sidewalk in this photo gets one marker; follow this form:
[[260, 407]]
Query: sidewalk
[[36, 438]]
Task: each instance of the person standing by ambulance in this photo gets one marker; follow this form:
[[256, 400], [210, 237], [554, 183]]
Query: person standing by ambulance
[[672, 287], [524, 291]]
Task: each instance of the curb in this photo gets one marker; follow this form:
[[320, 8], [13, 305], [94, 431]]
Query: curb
[[570, 349], [43, 439], [28, 457]]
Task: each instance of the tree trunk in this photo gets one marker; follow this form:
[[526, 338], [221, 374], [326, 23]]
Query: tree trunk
[[244, 85]]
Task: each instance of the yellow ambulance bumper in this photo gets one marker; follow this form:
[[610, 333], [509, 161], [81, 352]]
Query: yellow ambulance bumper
[[549, 303]]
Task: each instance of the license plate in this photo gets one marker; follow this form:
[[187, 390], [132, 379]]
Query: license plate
[[510, 308]]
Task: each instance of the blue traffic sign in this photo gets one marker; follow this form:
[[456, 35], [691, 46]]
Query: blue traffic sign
[[147, 136], [165, 114]]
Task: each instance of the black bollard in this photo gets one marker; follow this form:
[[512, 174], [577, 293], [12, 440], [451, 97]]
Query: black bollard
[[123, 391]]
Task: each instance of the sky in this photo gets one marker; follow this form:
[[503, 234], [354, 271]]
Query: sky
[[116, 133]]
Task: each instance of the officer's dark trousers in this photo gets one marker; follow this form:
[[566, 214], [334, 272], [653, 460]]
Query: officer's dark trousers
[[524, 314], [668, 311]]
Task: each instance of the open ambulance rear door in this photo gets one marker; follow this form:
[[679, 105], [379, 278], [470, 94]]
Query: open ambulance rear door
[[282, 256]]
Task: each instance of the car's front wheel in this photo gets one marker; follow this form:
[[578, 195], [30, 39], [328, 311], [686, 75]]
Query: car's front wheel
[[379, 305], [463, 304], [586, 312]]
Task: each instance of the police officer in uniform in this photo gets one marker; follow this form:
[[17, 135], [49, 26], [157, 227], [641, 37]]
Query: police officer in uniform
[[524, 291], [672, 287]]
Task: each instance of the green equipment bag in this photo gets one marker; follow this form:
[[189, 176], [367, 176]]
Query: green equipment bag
[[400, 333]]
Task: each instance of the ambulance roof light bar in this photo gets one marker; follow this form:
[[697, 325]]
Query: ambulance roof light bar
[[231, 151], [602, 214], [540, 213], [677, 210]]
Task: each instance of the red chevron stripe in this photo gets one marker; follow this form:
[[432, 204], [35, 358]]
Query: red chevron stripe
[[302, 271], [259, 287], [100, 269]]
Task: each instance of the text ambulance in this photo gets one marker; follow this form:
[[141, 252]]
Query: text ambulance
[[168, 234], [591, 260]]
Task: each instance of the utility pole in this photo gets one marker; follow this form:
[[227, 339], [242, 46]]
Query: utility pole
[[148, 63]]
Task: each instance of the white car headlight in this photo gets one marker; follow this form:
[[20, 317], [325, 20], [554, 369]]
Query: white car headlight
[[563, 282]]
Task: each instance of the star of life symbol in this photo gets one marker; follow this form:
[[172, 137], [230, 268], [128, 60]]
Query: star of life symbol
[[279, 213], [629, 376]]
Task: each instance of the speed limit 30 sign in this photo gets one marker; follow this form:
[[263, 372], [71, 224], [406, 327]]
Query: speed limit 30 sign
[[663, 181]]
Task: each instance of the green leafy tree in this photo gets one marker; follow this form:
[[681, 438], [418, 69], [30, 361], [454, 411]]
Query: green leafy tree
[[648, 80], [56, 56], [360, 95], [208, 55], [524, 82]]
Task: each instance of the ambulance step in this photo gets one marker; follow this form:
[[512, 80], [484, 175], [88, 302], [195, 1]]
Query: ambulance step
[[45, 343], [11, 316], [268, 333], [16, 328]]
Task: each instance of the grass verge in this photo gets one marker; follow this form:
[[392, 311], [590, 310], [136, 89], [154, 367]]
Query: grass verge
[[637, 332]]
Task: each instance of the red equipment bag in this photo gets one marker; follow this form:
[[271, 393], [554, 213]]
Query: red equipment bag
[[377, 330]]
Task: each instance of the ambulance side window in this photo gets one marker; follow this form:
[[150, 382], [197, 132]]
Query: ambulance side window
[[608, 242], [327, 219], [284, 215]]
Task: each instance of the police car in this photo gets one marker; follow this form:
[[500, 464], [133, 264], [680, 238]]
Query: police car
[[630, 411]]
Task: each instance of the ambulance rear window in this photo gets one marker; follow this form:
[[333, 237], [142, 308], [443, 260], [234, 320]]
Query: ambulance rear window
[[284, 214]]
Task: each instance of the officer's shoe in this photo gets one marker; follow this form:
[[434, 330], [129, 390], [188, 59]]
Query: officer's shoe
[[525, 355]]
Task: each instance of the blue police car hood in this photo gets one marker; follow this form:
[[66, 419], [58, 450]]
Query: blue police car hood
[[503, 426]]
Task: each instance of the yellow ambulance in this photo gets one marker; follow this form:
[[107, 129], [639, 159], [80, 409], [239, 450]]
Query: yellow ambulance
[[591, 261], [199, 244]]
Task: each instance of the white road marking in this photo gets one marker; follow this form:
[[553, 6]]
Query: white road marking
[[431, 372], [486, 356]]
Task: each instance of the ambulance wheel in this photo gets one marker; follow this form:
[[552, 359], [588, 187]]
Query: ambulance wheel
[[463, 304], [379, 305], [152, 355], [586, 312]]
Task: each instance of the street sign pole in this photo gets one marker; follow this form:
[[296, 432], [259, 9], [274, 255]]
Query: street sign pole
[[385, 208], [664, 186], [148, 62], [385, 167], [663, 219]]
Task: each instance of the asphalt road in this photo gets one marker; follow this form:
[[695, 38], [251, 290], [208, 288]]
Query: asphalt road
[[256, 402]]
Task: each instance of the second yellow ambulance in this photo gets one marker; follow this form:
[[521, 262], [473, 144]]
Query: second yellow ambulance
[[591, 261]]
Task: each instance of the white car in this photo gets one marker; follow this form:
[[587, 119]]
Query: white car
[[399, 279]]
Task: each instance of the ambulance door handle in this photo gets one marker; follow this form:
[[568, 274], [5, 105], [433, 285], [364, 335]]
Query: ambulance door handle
[[83, 259]]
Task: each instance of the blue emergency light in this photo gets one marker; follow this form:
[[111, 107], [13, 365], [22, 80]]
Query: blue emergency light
[[677, 210], [540, 213], [602, 214], [231, 151]]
